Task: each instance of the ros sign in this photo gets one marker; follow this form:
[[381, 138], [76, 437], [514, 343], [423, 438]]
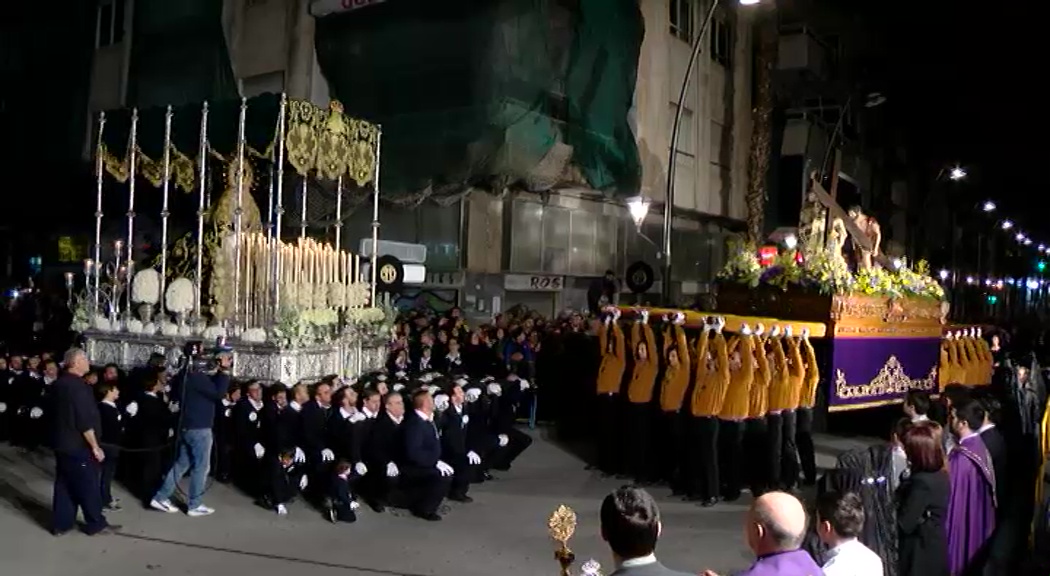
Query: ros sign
[[325, 7]]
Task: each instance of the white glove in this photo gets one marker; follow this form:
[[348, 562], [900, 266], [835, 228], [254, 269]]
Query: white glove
[[616, 313], [788, 331], [300, 456], [303, 482], [354, 505], [495, 389], [445, 469], [259, 451], [36, 413], [281, 510], [524, 384], [399, 387], [433, 390], [679, 318], [400, 374], [948, 336], [473, 394], [720, 323], [174, 407], [167, 388], [979, 332], [391, 470], [775, 331], [358, 417], [441, 402], [327, 455], [171, 432], [503, 440], [360, 469], [473, 458], [488, 379], [608, 320], [745, 329], [805, 333], [227, 413], [3, 407], [132, 409], [644, 316]]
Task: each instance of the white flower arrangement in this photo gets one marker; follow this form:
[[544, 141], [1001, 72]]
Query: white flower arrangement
[[365, 315], [306, 296], [145, 287], [356, 295], [134, 326], [150, 328], [320, 317], [180, 296], [102, 323], [212, 333], [254, 335], [169, 328], [336, 295]]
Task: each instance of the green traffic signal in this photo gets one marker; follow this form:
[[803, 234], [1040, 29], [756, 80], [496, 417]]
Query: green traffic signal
[[1041, 266], [992, 298]]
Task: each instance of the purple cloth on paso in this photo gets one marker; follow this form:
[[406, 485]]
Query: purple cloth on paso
[[794, 563], [971, 508]]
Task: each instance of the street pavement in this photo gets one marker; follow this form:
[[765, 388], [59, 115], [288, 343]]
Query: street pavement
[[502, 532]]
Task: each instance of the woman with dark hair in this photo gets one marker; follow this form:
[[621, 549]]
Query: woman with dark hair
[[922, 504]]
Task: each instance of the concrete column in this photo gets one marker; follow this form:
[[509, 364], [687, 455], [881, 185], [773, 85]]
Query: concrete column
[[299, 72]]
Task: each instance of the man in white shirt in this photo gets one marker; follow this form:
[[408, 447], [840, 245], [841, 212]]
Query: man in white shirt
[[840, 519]]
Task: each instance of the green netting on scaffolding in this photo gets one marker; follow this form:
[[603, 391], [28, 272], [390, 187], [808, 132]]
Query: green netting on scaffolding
[[492, 93]]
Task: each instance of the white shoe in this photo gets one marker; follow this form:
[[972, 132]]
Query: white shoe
[[163, 506], [201, 510]]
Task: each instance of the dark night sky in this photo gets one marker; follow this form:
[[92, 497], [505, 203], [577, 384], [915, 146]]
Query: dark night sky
[[963, 81]]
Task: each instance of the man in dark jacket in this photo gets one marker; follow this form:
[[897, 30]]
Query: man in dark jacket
[[200, 393], [455, 450], [425, 478]]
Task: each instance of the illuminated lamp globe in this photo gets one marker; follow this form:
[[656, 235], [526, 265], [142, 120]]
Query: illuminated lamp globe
[[638, 207], [943, 274]]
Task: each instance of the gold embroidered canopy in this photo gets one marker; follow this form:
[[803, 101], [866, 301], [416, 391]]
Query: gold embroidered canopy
[[322, 141]]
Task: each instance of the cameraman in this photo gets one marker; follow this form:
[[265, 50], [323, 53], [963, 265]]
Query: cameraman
[[199, 392]]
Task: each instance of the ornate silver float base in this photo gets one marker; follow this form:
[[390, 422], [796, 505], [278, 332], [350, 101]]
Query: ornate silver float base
[[259, 361]]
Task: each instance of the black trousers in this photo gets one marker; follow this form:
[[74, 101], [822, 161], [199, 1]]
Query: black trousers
[[774, 448], [756, 442], [464, 472], [504, 456], [608, 433], [789, 452], [638, 424], [109, 471], [804, 441], [702, 474], [77, 477], [730, 451], [671, 445], [422, 491]]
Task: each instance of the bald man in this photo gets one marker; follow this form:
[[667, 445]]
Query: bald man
[[775, 527]]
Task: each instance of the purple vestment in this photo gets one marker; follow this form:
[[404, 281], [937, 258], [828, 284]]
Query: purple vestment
[[794, 563], [971, 508]]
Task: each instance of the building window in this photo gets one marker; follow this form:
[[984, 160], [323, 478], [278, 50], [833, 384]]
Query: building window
[[555, 240], [682, 19], [109, 28], [686, 130], [721, 42]]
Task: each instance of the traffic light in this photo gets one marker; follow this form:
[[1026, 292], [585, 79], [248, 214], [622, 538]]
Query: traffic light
[[992, 298], [1041, 265]]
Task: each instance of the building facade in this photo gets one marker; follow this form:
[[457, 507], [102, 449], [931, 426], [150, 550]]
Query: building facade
[[489, 250]]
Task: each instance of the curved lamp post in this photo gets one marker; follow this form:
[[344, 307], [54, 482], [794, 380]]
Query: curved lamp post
[[698, 44]]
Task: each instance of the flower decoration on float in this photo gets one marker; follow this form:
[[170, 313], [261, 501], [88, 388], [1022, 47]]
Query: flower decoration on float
[[743, 265]]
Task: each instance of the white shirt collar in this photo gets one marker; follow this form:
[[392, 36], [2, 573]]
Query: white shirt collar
[[396, 419], [344, 413], [425, 416], [149, 393], [986, 427], [920, 418], [368, 413], [458, 407], [226, 402], [295, 406], [968, 436], [636, 562], [109, 403], [256, 404]]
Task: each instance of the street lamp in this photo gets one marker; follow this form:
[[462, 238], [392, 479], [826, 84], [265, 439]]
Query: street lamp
[[988, 206], [1019, 237], [638, 207], [1027, 241], [957, 173], [1007, 224], [943, 274], [676, 127], [790, 241]]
